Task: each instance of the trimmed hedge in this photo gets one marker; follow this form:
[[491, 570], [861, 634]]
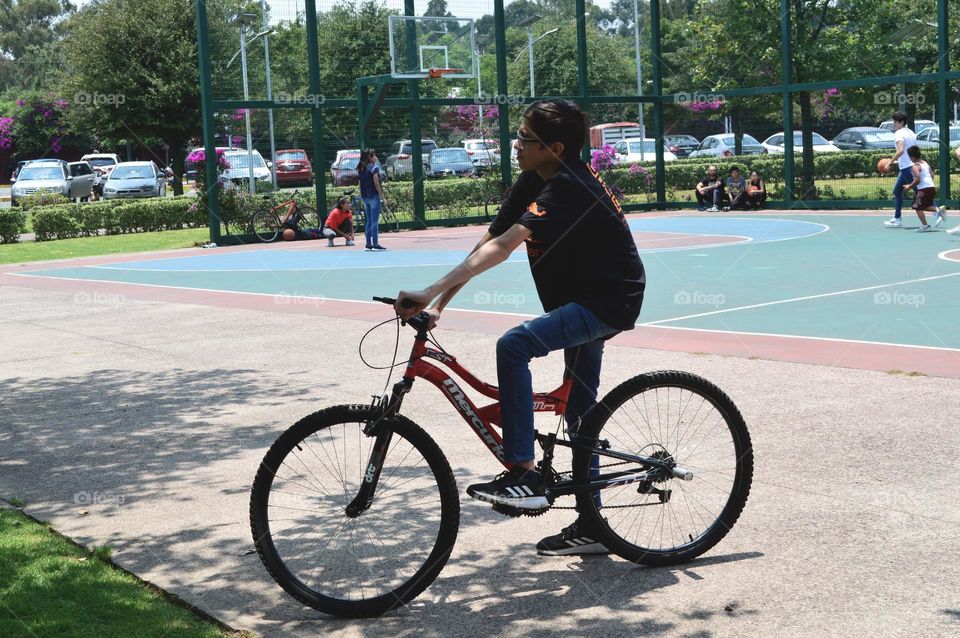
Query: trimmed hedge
[[116, 217], [41, 199], [12, 224]]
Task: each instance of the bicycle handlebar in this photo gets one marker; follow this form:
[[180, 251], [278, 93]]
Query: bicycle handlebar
[[420, 321]]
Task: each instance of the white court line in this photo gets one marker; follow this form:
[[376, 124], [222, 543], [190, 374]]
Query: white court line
[[805, 298], [806, 337], [944, 254]]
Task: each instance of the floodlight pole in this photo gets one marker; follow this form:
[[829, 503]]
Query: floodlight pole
[[246, 112], [266, 57], [636, 35]]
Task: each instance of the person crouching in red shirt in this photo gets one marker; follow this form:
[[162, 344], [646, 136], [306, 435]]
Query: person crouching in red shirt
[[339, 222]]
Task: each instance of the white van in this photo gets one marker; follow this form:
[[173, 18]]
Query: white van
[[239, 170]]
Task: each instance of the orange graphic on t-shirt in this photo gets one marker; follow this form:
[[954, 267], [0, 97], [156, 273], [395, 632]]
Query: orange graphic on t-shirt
[[533, 208]]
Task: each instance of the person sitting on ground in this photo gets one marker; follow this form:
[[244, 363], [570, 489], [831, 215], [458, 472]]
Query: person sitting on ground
[[736, 189], [924, 191], [339, 222], [710, 190], [756, 191]]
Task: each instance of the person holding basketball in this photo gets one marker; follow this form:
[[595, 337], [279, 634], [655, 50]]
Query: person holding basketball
[[905, 139], [756, 191], [590, 281]]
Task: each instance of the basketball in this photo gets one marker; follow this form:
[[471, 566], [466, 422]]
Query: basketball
[[883, 165], [751, 189], [289, 234]]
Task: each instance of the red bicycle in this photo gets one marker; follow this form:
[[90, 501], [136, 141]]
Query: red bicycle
[[355, 510]]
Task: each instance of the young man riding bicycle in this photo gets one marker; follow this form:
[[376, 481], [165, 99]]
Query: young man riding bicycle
[[589, 278]]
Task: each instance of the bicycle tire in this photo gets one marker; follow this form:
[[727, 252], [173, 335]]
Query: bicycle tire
[[309, 216], [389, 219], [340, 588], [265, 225], [713, 499]]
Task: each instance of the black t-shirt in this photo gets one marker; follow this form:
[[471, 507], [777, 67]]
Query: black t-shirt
[[706, 181], [581, 249]]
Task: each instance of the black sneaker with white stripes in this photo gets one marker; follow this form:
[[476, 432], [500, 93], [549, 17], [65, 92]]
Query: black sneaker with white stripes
[[571, 541], [517, 487]]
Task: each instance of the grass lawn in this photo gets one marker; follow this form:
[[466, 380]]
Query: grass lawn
[[51, 588], [104, 245]]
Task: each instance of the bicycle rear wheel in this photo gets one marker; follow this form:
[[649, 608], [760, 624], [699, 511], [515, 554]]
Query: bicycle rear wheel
[[353, 566], [389, 219], [266, 225], [684, 419]]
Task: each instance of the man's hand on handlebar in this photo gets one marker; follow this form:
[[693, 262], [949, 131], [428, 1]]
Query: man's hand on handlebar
[[410, 303]]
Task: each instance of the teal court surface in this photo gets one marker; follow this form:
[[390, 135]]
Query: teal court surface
[[833, 288]]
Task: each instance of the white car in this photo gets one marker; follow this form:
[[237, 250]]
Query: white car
[[239, 170], [630, 151], [930, 138], [73, 180], [135, 180], [774, 143], [102, 164], [483, 153], [918, 125]]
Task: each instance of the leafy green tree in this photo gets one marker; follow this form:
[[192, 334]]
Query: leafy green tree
[[29, 33]]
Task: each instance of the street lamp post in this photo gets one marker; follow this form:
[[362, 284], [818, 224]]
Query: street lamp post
[[530, 42], [241, 21], [636, 35], [266, 58]]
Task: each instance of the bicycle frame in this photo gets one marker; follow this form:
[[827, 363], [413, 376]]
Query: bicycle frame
[[482, 421]]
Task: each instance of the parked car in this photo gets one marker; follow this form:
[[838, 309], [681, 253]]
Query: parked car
[[918, 125], [73, 180], [681, 145], [774, 143], [190, 169], [399, 160], [16, 170], [629, 151], [293, 167], [102, 164], [343, 170], [135, 179], [483, 153], [930, 138], [450, 162], [723, 145], [859, 138], [613, 132], [239, 171]]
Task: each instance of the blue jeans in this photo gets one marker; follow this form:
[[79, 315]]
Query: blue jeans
[[905, 177], [566, 328], [371, 206]]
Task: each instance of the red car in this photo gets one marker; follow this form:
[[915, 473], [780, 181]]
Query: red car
[[293, 167], [343, 171]]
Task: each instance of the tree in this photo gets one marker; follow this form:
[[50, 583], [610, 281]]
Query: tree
[[29, 33], [138, 79]]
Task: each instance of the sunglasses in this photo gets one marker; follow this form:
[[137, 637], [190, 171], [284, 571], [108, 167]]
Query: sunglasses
[[523, 140]]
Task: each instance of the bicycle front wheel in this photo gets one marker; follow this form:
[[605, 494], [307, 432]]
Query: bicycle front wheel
[[684, 420], [370, 563], [266, 225]]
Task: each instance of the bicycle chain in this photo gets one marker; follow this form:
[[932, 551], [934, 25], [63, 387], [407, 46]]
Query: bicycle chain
[[607, 507]]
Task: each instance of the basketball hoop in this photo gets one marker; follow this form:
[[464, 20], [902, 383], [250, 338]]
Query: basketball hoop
[[438, 73]]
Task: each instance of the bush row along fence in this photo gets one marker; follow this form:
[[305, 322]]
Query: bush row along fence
[[455, 199]]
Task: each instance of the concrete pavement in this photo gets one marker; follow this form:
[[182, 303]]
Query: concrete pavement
[[140, 425]]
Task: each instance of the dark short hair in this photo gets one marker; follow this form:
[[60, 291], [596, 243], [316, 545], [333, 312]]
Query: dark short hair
[[558, 120], [343, 200], [914, 152], [734, 168], [900, 116]]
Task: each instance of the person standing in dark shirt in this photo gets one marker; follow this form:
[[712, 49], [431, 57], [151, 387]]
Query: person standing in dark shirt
[[589, 278]]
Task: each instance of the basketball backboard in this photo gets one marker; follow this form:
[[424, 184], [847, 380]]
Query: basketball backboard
[[419, 44]]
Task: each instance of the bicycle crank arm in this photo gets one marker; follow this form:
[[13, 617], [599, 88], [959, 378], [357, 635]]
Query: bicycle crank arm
[[371, 476]]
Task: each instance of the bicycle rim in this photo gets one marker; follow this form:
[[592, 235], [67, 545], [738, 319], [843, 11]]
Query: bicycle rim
[[685, 419], [266, 226], [362, 566]]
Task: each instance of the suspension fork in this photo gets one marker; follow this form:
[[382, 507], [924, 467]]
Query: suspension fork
[[379, 427]]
